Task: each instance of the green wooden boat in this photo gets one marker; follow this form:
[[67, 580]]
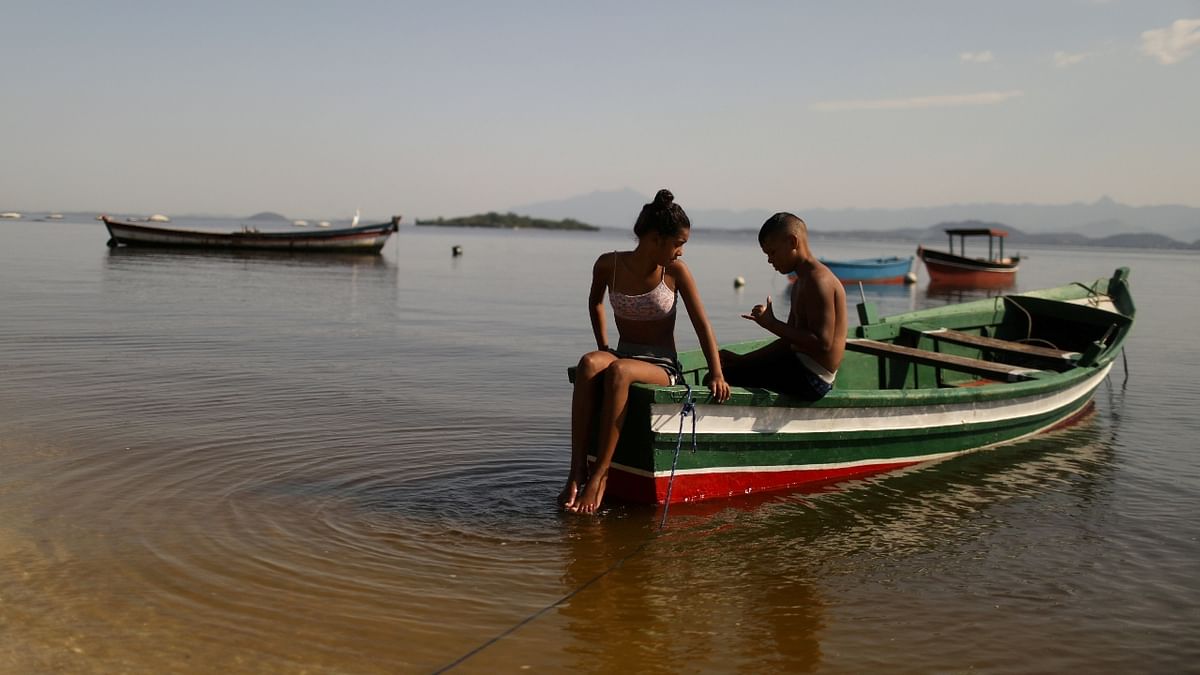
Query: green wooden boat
[[912, 388]]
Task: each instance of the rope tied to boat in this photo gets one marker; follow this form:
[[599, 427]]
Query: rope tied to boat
[[688, 410]]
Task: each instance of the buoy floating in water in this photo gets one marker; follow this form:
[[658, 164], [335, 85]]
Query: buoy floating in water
[[456, 250], [738, 282]]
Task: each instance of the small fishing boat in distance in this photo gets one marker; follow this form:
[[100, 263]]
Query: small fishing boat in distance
[[360, 239], [913, 387], [958, 269], [890, 270]]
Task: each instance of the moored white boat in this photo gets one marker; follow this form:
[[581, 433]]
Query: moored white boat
[[362, 239]]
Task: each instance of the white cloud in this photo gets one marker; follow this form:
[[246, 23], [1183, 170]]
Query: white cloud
[[943, 101], [1066, 60], [1174, 43], [976, 57]]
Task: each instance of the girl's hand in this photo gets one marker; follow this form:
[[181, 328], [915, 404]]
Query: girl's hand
[[719, 388]]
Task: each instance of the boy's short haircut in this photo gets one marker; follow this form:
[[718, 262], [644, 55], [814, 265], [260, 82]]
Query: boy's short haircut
[[780, 223]]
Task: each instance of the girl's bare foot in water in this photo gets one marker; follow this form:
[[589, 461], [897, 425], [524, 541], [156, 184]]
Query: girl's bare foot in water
[[593, 494], [566, 498]]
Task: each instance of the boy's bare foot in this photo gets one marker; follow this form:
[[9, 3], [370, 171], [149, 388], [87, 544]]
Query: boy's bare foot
[[593, 494]]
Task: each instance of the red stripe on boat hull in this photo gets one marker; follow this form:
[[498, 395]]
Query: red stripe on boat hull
[[632, 487]]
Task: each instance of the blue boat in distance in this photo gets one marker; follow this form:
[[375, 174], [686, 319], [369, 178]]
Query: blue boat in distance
[[891, 270]]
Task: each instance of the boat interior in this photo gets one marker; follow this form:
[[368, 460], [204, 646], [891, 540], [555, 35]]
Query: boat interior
[[1011, 339]]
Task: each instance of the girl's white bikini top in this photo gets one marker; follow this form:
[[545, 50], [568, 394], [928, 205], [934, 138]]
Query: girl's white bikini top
[[657, 303]]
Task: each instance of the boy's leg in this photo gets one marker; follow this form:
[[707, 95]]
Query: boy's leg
[[758, 368]]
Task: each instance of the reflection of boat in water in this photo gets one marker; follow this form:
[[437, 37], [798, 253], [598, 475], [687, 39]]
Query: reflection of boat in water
[[683, 591], [953, 293], [291, 258], [996, 270], [361, 239], [889, 270], [912, 387]]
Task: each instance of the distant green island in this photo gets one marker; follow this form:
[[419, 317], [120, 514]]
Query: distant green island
[[508, 220]]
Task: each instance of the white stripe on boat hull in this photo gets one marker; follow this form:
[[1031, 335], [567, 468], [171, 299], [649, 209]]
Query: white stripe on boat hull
[[729, 419]]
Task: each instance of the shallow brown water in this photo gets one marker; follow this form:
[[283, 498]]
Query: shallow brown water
[[247, 464]]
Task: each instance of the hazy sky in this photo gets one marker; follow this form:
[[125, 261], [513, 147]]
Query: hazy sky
[[449, 108]]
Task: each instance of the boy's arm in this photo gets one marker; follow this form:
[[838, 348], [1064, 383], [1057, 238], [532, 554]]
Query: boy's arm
[[818, 331]]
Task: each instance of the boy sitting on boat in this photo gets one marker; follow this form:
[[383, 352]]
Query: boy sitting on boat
[[804, 361]]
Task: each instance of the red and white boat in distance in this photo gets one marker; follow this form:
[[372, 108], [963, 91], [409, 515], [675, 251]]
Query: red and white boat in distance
[[959, 269]]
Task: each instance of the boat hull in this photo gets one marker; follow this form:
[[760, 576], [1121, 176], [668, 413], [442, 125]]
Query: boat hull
[[915, 387], [740, 450], [364, 239], [891, 270], [954, 270]]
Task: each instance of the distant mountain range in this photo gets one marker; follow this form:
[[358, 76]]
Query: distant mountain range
[[1104, 222]]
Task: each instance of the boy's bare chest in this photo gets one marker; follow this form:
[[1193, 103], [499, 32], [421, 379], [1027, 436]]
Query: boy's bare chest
[[797, 314]]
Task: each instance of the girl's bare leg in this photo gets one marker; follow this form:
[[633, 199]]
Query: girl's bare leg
[[589, 384], [617, 378]]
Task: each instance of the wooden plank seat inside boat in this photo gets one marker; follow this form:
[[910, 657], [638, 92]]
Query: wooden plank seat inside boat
[[989, 369], [1056, 357]]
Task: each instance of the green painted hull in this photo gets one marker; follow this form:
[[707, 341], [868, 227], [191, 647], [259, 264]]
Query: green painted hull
[[885, 411]]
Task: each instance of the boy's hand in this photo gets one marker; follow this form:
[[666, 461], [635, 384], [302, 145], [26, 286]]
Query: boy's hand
[[762, 314]]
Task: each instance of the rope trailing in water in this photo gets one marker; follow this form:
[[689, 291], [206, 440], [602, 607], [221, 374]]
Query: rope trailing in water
[[1125, 361], [529, 619], [689, 408]]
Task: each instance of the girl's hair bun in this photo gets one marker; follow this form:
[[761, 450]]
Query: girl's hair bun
[[662, 215]]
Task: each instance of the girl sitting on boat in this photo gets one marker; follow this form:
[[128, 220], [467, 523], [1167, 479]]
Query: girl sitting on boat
[[643, 286]]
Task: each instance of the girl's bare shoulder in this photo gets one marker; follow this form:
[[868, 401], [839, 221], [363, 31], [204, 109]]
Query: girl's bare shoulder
[[605, 261], [678, 270], [677, 266]]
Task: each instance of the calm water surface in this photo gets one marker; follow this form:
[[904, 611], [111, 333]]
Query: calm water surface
[[250, 464]]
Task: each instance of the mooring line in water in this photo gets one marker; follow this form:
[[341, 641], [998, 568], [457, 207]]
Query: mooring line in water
[[517, 626], [689, 408]]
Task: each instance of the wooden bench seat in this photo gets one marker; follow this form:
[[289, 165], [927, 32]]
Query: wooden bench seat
[[994, 371], [1058, 356]]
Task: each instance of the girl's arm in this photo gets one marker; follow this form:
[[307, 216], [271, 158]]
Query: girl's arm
[[601, 273], [686, 286]]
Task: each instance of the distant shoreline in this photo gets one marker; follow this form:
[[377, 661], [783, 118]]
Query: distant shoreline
[[510, 221]]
